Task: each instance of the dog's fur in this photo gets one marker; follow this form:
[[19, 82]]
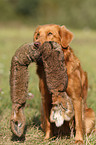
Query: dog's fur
[[77, 81]]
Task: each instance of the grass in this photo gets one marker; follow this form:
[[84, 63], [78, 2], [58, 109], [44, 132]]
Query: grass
[[11, 38]]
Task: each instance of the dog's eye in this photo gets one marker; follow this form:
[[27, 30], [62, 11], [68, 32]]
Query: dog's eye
[[38, 34], [50, 33]]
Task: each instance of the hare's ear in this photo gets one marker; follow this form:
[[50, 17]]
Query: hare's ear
[[66, 36]]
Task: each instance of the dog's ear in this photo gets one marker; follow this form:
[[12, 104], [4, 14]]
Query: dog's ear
[[66, 36]]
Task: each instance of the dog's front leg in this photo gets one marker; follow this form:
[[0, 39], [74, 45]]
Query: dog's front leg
[[45, 120], [77, 102], [45, 110], [74, 90]]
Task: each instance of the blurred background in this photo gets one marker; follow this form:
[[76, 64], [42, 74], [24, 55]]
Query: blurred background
[[18, 21], [73, 13]]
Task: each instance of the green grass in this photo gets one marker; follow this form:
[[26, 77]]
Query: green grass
[[84, 46]]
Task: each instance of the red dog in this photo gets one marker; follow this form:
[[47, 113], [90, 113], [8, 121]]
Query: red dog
[[77, 81]]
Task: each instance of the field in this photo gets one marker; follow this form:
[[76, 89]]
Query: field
[[84, 46]]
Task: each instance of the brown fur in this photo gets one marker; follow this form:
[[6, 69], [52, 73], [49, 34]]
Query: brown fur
[[51, 56], [19, 85], [77, 80], [62, 107], [56, 83]]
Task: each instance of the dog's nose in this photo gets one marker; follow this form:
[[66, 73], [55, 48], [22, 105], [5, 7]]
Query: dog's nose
[[37, 44]]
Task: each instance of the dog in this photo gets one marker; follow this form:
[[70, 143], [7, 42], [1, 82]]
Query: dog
[[77, 82]]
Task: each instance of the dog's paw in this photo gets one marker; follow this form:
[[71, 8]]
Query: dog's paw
[[48, 134], [79, 140]]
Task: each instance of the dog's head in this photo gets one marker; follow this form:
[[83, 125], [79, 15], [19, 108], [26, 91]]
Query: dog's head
[[52, 32]]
